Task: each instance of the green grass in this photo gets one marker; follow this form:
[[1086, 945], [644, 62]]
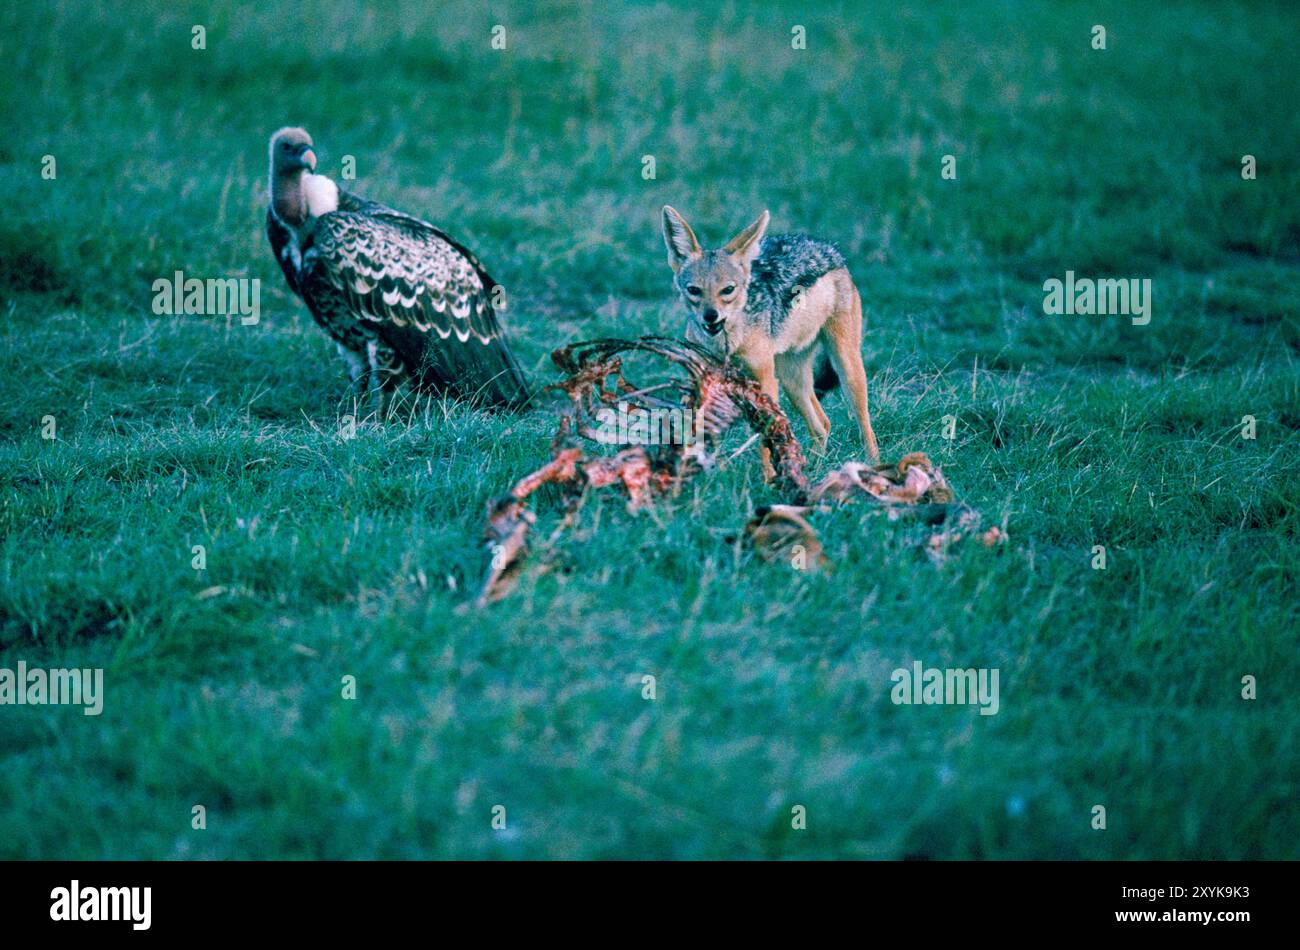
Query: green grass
[[329, 558]]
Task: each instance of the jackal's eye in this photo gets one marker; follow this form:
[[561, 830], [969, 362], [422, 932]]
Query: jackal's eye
[[728, 290], [694, 291]]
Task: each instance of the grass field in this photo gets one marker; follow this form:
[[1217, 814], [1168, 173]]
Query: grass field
[[329, 557]]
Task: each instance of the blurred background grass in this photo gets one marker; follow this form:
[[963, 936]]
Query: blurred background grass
[[331, 558]]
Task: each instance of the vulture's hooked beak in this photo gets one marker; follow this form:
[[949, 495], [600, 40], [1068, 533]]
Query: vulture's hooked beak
[[307, 156]]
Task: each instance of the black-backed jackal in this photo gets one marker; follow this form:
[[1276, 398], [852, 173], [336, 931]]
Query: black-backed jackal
[[776, 303]]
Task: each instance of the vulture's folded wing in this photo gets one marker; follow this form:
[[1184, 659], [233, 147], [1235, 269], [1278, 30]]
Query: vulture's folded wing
[[424, 294]]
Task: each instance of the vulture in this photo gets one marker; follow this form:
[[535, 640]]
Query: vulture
[[401, 298]]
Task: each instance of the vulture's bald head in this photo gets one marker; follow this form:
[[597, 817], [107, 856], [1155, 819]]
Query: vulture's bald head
[[297, 193], [291, 151]]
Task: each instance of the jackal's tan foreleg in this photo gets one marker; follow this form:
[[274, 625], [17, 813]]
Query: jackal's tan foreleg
[[795, 374], [821, 413], [763, 367], [843, 336]]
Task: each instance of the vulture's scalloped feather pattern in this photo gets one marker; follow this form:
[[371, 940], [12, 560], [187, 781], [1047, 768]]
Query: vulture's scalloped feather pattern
[[367, 270]]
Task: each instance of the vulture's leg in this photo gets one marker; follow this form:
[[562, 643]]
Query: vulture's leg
[[391, 368], [379, 363], [357, 369]]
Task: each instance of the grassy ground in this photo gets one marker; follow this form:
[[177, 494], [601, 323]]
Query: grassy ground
[[329, 558]]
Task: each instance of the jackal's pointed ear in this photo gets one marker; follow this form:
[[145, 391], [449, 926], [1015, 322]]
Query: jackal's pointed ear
[[744, 246], [682, 245]]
